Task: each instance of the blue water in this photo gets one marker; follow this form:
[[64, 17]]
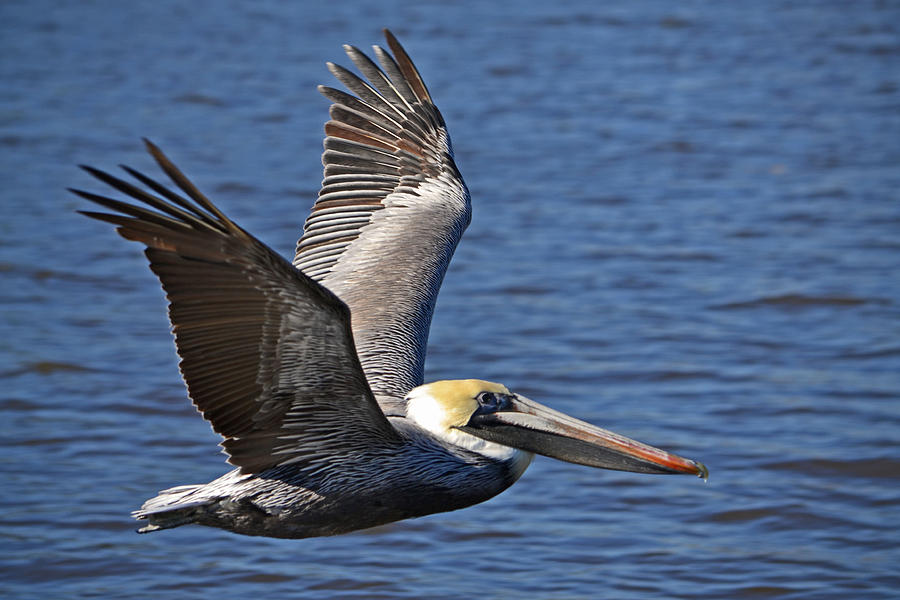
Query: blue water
[[686, 229]]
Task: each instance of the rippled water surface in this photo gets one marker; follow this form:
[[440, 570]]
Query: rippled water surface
[[686, 229]]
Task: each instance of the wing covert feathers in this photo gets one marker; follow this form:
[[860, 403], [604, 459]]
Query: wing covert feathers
[[389, 215]]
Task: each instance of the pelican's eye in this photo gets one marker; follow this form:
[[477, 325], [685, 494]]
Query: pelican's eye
[[491, 402]]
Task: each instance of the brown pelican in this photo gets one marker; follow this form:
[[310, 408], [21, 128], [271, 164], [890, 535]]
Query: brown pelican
[[312, 371]]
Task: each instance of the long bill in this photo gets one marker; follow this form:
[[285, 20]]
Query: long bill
[[527, 425]]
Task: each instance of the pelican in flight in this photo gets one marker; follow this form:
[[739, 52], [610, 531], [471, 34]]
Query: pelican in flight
[[313, 371]]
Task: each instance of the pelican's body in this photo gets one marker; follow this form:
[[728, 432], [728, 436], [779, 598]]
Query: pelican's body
[[312, 372], [416, 476]]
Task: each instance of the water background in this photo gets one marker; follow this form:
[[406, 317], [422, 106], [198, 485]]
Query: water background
[[686, 229]]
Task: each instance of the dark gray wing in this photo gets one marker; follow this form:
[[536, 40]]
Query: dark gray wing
[[390, 213], [266, 352]]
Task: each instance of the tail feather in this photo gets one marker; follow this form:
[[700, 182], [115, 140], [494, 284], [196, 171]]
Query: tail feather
[[171, 508]]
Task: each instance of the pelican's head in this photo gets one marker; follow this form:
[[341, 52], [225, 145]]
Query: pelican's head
[[487, 418], [444, 407]]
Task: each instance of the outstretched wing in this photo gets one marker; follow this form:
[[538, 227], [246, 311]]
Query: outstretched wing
[[389, 215], [266, 352]]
